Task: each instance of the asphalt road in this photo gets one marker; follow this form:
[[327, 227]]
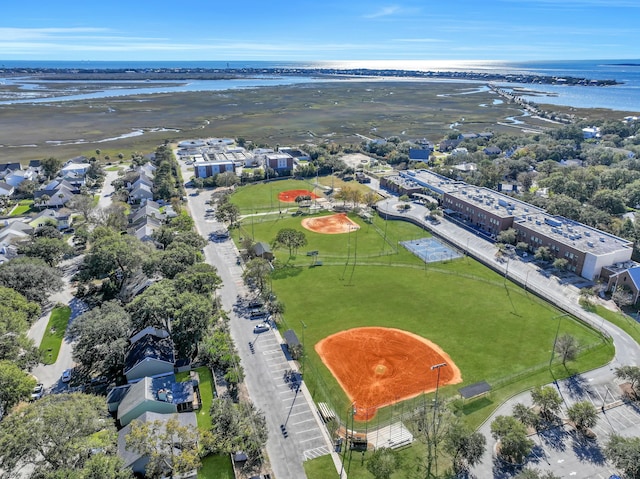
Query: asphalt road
[[49, 374]]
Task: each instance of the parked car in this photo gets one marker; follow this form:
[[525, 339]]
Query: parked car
[[261, 328], [258, 314], [66, 376], [38, 392]]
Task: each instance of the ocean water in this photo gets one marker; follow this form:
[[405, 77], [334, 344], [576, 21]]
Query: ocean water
[[624, 97]]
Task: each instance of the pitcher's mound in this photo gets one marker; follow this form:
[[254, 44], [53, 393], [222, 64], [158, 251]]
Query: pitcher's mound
[[330, 225], [291, 195], [378, 367]]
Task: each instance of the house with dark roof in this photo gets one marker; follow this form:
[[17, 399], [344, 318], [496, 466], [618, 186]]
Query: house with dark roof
[[149, 209], [419, 154], [492, 151], [160, 394], [149, 355], [138, 462], [10, 167], [448, 145]]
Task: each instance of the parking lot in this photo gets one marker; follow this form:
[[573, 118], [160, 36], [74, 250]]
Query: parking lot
[[299, 421]]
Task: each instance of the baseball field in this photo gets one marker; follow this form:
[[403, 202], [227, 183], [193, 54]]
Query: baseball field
[[490, 331], [378, 319]]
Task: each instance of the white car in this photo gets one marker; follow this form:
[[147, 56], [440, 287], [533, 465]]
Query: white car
[[261, 328], [38, 392]]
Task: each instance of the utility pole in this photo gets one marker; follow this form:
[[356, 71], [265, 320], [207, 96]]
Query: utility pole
[[435, 408]]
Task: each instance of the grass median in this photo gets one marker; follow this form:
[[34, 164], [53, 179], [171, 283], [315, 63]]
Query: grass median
[[54, 334]]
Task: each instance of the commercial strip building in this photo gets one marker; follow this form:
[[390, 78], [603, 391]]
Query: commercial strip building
[[586, 249]]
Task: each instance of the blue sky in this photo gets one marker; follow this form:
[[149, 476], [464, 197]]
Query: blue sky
[[299, 30]]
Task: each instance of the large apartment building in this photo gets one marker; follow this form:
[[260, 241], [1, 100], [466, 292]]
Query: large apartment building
[[586, 249]]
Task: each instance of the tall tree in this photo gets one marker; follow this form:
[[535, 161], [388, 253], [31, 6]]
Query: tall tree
[[464, 446], [514, 444], [567, 348], [624, 453], [51, 166], [383, 462], [84, 204], [50, 250], [101, 340], [56, 432], [31, 277], [583, 414], [547, 399], [172, 448], [113, 254], [629, 373], [256, 272], [15, 384], [16, 315], [200, 278], [291, 238]]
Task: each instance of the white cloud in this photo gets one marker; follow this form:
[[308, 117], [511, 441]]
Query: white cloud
[[384, 12]]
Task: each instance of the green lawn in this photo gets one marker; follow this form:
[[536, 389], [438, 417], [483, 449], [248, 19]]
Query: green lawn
[[23, 208], [216, 467], [264, 196], [52, 339], [213, 467], [206, 395]]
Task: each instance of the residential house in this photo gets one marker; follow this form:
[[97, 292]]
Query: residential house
[[144, 228], [6, 168], [45, 217], [55, 194], [36, 166], [15, 231], [76, 166], [460, 151], [15, 177], [140, 194], [591, 132], [149, 209], [138, 462], [6, 189], [148, 169], [492, 151], [160, 394], [448, 145], [149, 355], [419, 154], [467, 136]]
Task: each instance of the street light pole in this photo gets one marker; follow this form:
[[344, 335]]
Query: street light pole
[[304, 351], [352, 409], [435, 407]]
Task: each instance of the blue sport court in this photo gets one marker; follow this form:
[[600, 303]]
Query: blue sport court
[[430, 250]]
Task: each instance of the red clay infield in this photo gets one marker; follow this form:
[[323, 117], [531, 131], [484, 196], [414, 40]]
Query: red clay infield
[[330, 225], [291, 195], [378, 367]]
